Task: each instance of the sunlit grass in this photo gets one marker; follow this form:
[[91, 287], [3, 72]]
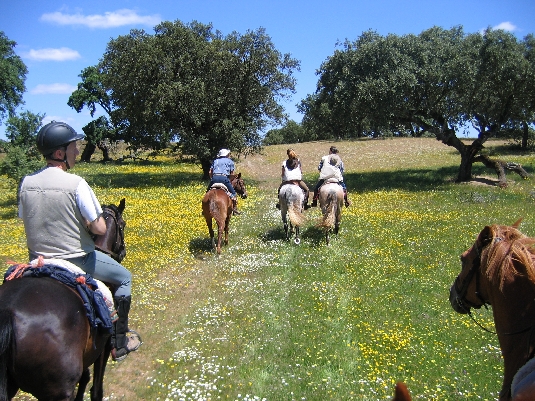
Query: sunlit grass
[[276, 321]]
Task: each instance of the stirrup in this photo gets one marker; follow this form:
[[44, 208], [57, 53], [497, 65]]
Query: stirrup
[[133, 342]]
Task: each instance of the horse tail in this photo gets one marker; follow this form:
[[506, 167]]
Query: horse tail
[[294, 213], [6, 348], [329, 217]]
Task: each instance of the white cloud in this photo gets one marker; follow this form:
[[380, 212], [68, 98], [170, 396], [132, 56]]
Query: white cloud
[[61, 54], [506, 26], [54, 89], [108, 20]]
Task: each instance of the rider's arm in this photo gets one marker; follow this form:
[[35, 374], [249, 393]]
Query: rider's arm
[[97, 226], [90, 209]]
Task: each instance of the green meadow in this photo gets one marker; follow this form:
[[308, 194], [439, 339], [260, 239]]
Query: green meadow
[[271, 320]]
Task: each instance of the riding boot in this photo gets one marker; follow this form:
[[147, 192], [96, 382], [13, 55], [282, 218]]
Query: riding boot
[[306, 206], [235, 207], [346, 201], [124, 341], [315, 199]]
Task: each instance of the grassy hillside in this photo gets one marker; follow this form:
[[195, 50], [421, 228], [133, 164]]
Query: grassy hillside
[[271, 320]]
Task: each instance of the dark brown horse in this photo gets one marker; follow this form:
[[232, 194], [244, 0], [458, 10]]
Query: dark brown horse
[[46, 343], [112, 242], [217, 204], [499, 270]]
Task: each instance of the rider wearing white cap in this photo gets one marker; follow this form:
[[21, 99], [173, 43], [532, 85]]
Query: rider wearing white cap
[[222, 167]]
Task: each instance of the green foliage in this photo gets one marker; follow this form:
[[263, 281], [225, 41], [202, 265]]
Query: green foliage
[[20, 161], [98, 130], [436, 82], [12, 77], [22, 156], [292, 132], [90, 93], [188, 83]]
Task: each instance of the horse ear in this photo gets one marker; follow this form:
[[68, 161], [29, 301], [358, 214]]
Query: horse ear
[[122, 205], [239, 175], [516, 224], [486, 235]]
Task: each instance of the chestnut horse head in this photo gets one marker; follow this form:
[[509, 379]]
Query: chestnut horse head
[[498, 270]]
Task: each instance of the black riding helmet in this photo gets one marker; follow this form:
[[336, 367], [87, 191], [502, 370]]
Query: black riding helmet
[[55, 135]]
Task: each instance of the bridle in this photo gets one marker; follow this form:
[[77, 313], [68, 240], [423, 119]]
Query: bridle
[[465, 304], [239, 186], [474, 270], [118, 250]]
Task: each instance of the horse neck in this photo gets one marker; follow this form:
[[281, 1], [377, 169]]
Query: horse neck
[[513, 309]]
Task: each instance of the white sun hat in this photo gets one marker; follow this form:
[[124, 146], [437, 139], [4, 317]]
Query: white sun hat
[[223, 153]]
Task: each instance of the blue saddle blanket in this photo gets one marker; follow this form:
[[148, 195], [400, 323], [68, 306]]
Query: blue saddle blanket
[[97, 311]]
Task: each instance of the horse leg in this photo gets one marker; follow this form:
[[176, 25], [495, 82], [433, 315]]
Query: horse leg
[[97, 390], [297, 241], [337, 219], [220, 228], [82, 384], [285, 223], [227, 224]]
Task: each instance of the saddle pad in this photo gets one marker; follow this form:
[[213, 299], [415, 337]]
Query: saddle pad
[[524, 372], [218, 185], [331, 181], [102, 288]]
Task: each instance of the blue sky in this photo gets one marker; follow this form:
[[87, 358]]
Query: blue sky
[[57, 40]]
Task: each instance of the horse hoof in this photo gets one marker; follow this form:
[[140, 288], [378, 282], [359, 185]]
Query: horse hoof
[[297, 241]]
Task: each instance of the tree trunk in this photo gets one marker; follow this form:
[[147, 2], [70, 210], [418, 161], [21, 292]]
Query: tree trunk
[[206, 164], [525, 135], [500, 166], [102, 145], [88, 152], [465, 169]]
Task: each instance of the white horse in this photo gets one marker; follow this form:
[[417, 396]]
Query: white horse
[[331, 199], [291, 198]]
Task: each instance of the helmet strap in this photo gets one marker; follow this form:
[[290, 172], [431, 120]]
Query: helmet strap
[[64, 160]]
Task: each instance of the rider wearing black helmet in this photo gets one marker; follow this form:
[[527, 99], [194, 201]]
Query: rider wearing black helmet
[[60, 212]]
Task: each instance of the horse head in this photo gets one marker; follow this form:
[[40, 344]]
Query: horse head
[[465, 292], [499, 270], [112, 242], [499, 254], [238, 185]]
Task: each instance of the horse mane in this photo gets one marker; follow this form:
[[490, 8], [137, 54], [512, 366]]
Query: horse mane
[[508, 250]]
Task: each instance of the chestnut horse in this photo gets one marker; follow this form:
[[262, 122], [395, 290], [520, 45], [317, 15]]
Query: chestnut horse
[[291, 198], [46, 343], [331, 199], [498, 270], [217, 204]]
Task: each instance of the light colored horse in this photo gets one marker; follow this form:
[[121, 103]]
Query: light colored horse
[[291, 199], [331, 200]]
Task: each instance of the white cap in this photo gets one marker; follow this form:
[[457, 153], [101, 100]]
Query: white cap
[[223, 153]]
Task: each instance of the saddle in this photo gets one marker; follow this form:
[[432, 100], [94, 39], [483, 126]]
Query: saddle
[[331, 180], [218, 185], [96, 296]]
